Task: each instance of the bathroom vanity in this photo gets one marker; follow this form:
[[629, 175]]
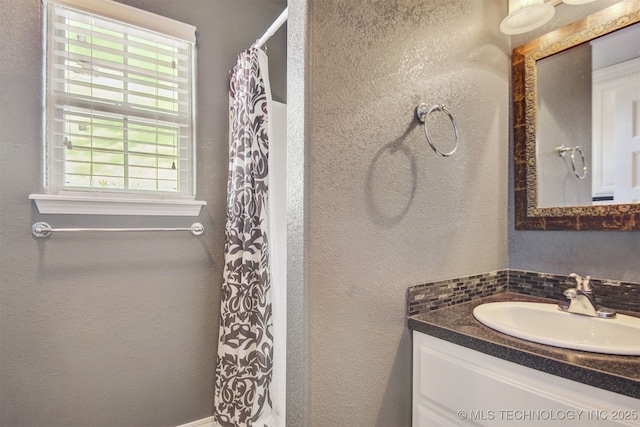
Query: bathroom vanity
[[465, 373]]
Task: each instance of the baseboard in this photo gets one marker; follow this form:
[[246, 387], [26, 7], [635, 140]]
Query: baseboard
[[204, 422]]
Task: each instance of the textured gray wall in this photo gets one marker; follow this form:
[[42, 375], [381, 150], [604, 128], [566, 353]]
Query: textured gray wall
[[297, 206], [384, 211], [109, 330], [601, 254]]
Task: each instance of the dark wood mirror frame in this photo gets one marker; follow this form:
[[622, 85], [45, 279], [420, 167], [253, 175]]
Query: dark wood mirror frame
[[528, 216]]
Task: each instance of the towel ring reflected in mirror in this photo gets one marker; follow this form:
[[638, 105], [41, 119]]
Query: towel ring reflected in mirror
[[562, 150]]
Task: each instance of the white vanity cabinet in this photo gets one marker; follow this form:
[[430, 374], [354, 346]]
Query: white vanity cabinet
[[457, 386]]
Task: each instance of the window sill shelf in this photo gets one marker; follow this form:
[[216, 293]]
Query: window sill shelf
[[82, 205]]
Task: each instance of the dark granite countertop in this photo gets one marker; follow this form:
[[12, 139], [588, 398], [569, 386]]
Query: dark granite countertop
[[456, 324]]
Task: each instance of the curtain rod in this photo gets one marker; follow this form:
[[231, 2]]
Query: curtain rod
[[273, 28]]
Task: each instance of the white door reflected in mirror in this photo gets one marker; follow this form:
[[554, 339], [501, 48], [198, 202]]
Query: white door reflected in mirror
[[616, 133]]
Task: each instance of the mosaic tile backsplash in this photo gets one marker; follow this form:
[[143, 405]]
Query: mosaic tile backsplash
[[431, 296]]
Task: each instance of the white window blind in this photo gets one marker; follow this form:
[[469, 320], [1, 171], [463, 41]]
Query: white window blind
[[119, 106]]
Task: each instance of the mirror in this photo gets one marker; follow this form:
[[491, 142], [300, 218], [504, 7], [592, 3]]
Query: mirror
[[563, 169]]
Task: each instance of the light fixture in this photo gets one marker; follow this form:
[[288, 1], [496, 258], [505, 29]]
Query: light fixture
[[526, 15]]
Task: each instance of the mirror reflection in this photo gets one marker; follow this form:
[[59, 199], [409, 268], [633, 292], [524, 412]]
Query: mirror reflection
[[588, 122]]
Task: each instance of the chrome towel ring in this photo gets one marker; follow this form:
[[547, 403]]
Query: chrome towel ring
[[562, 150], [423, 113]]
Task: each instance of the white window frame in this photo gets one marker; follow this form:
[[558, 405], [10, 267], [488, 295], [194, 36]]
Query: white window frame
[[62, 200]]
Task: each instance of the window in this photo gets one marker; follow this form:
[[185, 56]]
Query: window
[[119, 102]]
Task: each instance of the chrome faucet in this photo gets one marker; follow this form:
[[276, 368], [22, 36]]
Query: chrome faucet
[[582, 301]]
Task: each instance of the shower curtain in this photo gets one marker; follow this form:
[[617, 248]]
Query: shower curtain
[[245, 347]]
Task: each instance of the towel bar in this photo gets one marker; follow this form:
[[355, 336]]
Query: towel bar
[[42, 229]]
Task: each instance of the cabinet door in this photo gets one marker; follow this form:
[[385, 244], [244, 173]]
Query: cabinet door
[[456, 386]]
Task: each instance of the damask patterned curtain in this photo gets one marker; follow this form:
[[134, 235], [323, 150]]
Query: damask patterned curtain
[[245, 347]]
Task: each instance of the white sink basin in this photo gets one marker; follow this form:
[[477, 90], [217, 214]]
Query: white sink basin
[[546, 324]]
